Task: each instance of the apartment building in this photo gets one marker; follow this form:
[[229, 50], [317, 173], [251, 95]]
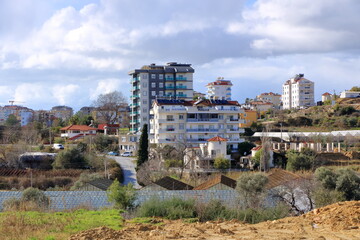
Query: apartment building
[[220, 89], [63, 112], [270, 97], [249, 117], [171, 81], [23, 114], [298, 92], [194, 122]]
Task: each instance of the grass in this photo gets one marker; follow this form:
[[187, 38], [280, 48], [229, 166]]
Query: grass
[[56, 225]]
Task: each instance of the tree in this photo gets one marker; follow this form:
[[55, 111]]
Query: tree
[[348, 183], [304, 160], [70, 158], [108, 106], [355, 89], [122, 196], [221, 163], [244, 148], [251, 189], [143, 153]]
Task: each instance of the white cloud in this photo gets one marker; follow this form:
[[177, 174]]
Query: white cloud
[[29, 92], [105, 86], [65, 94]]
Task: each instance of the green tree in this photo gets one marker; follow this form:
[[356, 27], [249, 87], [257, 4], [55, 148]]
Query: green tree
[[244, 148], [304, 160], [326, 178], [355, 89], [70, 158], [348, 183], [221, 163], [143, 153], [251, 189], [12, 121], [122, 196]]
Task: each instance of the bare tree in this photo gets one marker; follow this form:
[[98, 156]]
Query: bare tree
[[266, 146], [109, 106]]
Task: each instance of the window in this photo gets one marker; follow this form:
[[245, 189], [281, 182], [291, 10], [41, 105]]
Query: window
[[144, 76], [161, 85], [144, 110], [144, 84], [181, 116], [153, 85], [144, 101], [181, 126], [153, 93], [145, 119], [153, 76], [161, 93], [161, 76], [144, 93], [123, 139]]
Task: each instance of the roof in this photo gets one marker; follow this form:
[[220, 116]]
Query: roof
[[257, 148], [216, 180], [220, 82], [260, 103], [103, 125], [326, 94], [217, 139], [278, 176], [78, 127], [271, 93], [204, 102], [101, 183], [172, 184]]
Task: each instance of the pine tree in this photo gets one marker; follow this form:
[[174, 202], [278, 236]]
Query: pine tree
[[143, 152]]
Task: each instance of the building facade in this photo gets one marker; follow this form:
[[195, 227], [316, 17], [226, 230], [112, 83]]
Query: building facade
[[194, 122], [249, 117], [22, 114], [326, 97], [349, 94], [220, 89], [270, 97], [62, 112], [298, 92], [171, 81]]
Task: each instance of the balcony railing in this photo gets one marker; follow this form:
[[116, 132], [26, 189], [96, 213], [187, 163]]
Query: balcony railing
[[181, 95], [181, 78], [202, 120], [181, 87], [202, 130]]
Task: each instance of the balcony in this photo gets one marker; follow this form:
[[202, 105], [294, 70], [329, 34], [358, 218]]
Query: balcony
[[202, 130], [200, 120], [181, 79], [197, 140], [181, 87], [134, 96], [233, 120], [169, 79], [172, 109], [181, 95], [169, 87]]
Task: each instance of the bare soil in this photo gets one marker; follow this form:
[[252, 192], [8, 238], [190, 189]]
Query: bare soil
[[337, 221]]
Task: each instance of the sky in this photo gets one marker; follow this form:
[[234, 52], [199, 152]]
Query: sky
[[67, 52]]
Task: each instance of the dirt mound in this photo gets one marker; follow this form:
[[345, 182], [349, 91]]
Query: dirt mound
[[337, 221]]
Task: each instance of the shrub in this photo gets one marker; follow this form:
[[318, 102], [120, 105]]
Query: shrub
[[251, 188], [174, 208], [122, 196], [323, 197], [71, 158], [85, 178], [31, 199], [221, 163], [303, 160]]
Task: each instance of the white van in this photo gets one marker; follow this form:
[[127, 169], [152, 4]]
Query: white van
[[58, 146]]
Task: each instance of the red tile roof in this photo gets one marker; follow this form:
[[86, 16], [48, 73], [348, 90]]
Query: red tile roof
[[78, 127], [326, 94], [220, 82], [217, 139], [217, 180], [257, 148]]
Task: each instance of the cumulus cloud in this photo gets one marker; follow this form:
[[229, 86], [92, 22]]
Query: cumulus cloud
[[105, 86], [65, 93]]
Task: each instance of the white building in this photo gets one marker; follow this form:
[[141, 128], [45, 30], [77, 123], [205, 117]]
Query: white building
[[22, 114], [298, 92], [74, 132], [172, 81], [270, 97], [349, 94], [326, 97], [194, 122], [220, 89]]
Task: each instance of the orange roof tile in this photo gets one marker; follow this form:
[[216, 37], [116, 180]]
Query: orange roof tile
[[217, 139], [78, 127]]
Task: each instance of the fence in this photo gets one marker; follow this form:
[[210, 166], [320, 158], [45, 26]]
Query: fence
[[65, 200]]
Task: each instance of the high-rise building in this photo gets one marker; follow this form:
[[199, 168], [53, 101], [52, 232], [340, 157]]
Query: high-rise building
[[220, 89], [170, 81], [298, 92]]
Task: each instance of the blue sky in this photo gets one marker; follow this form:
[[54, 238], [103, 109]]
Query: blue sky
[[67, 52]]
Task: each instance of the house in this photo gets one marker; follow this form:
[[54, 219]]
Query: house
[[167, 183], [326, 97], [220, 182], [109, 129], [349, 94], [249, 116], [278, 177], [270, 97], [298, 92], [74, 132], [194, 122], [128, 142], [259, 106], [220, 89], [101, 184], [256, 149]]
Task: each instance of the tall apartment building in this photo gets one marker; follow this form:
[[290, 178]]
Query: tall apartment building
[[171, 81], [194, 122], [220, 89], [298, 92], [23, 114], [63, 112]]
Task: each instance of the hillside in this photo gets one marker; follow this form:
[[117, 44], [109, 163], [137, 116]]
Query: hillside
[[337, 221]]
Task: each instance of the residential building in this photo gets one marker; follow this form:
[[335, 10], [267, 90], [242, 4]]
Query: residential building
[[270, 97], [62, 112], [109, 129], [220, 89], [349, 94], [298, 92], [219, 182], [326, 97], [43, 116], [22, 114], [172, 81], [249, 116], [74, 132], [259, 106], [87, 111], [128, 143], [199, 95], [194, 122]]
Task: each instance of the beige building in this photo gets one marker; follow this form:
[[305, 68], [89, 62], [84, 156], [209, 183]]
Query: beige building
[[194, 122], [270, 97], [298, 92], [326, 97]]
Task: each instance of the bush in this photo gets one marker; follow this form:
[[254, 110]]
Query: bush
[[323, 197], [304, 160], [122, 196], [175, 208], [71, 158], [31, 199], [251, 188], [221, 163], [85, 178]]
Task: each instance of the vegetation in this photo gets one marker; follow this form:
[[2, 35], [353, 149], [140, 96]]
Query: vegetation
[[245, 148], [70, 158], [221, 163], [122, 196], [304, 160], [31, 199], [143, 153], [251, 189]]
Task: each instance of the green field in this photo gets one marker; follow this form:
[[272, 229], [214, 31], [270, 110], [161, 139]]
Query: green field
[[54, 225]]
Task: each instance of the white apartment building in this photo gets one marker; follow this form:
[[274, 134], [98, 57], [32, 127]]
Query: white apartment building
[[298, 92], [194, 122], [220, 89], [270, 97], [349, 94], [171, 81]]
